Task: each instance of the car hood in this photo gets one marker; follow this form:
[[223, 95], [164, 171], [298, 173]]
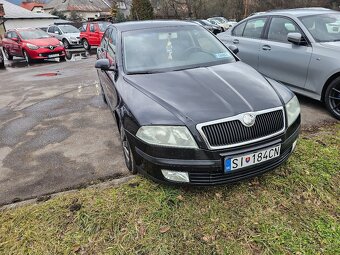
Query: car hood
[[68, 35], [331, 45], [209, 93], [43, 41]]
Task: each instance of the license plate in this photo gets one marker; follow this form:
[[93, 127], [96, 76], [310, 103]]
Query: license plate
[[53, 55], [231, 164]]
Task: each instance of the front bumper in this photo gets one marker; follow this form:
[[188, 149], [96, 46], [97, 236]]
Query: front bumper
[[206, 167], [44, 53]]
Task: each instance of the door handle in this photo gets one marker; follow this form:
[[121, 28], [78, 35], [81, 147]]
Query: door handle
[[266, 47], [236, 41]]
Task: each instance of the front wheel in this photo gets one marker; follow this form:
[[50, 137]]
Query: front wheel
[[332, 98], [128, 156], [66, 44], [27, 57], [62, 59], [86, 44]]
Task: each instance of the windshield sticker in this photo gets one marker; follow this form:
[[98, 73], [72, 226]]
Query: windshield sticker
[[169, 49], [222, 55]]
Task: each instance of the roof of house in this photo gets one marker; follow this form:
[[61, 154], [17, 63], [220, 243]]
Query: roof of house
[[30, 6], [80, 5], [13, 11]]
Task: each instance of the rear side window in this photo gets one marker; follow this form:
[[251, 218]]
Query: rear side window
[[51, 29], [280, 28], [254, 28], [92, 28], [238, 31]]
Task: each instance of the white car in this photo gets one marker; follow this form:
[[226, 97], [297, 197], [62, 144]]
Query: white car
[[67, 34]]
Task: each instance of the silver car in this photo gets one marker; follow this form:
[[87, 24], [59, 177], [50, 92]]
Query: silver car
[[69, 35], [298, 47]]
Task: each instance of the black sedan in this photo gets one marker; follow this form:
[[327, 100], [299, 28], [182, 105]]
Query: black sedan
[[188, 110]]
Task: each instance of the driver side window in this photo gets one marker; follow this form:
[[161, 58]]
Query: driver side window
[[280, 28]]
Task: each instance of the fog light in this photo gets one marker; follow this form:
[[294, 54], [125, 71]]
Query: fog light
[[294, 145], [176, 176]]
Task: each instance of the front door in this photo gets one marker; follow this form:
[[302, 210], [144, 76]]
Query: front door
[[281, 60]]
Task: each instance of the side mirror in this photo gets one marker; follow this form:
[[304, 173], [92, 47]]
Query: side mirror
[[104, 64], [295, 38], [56, 32], [234, 49]]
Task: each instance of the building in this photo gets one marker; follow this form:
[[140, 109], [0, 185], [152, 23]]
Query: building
[[33, 7], [88, 9], [17, 17]]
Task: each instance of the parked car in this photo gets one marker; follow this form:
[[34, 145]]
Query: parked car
[[2, 60], [188, 110], [217, 23], [67, 34], [207, 25], [32, 44], [221, 20], [299, 47], [91, 33]]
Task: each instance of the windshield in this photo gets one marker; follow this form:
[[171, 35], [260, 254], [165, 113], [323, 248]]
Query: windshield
[[69, 29], [172, 49], [103, 26], [324, 28], [33, 34]]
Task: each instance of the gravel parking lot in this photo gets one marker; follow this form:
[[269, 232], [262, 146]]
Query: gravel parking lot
[[57, 134]]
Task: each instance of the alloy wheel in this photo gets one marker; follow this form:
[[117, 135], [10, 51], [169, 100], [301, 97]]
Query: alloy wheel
[[332, 98], [66, 44]]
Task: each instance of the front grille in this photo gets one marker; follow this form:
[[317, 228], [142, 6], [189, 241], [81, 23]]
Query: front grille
[[50, 53], [233, 133], [199, 178]]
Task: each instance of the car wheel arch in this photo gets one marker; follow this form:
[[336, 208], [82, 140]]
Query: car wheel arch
[[328, 82]]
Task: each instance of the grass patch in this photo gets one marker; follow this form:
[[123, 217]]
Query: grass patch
[[293, 210]]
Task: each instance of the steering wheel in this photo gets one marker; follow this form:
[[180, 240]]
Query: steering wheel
[[194, 49]]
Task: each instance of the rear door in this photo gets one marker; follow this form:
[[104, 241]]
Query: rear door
[[282, 60], [247, 37]]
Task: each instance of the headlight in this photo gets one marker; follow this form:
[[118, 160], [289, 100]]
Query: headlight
[[293, 110], [32, 46], [73, 39], [171, 136]]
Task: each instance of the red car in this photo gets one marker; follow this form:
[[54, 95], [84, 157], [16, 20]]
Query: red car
[[91, 33], [32, 44]]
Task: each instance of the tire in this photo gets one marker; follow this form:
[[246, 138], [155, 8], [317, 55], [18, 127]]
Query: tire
[[2, 64], [27, 57], [62, 59], [332, 98], [128, 155], [7, 55], [86, 44], [66, 44]]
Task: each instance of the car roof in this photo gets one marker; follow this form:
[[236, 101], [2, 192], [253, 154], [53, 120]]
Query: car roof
[[299, 12], [138, 25]]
